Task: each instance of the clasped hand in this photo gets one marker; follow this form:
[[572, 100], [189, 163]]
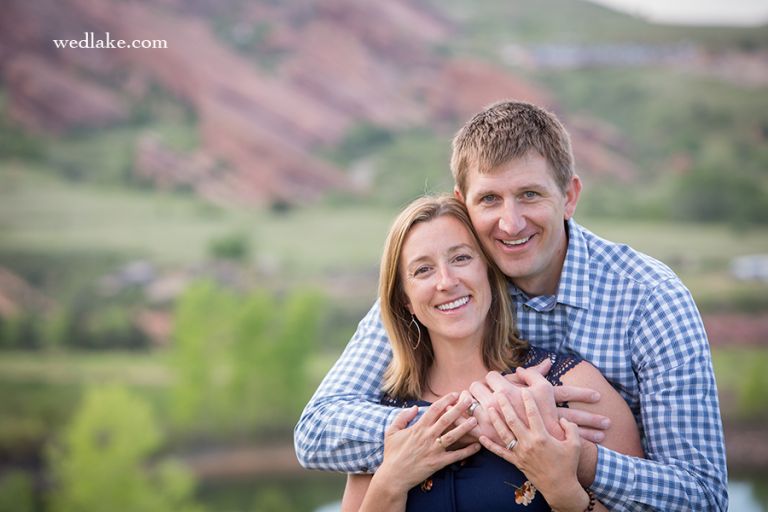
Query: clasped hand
[[590, 426]]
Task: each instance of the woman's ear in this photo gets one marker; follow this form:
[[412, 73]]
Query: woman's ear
[[410, 308]]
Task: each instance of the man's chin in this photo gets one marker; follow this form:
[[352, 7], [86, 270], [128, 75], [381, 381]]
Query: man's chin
[[513, 270]]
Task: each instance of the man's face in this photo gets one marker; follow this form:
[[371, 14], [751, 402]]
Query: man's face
[[519, 212]]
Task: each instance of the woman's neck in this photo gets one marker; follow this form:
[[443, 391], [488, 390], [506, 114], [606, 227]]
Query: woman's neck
[[457, 364]]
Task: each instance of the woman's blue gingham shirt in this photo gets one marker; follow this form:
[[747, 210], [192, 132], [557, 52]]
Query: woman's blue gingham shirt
[[626, 313]]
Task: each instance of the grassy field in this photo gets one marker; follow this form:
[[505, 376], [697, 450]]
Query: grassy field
[[39, 212]]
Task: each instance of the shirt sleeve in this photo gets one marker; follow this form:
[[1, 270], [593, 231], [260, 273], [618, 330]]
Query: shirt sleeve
[[682, 432], [342, 427]]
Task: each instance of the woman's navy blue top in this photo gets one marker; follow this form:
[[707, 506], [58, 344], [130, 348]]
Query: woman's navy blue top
[[484, 481]]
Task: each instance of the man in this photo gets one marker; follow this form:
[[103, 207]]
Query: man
[[626, 313]]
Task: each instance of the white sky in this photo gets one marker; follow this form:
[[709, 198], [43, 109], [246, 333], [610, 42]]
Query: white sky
[[707, 12]]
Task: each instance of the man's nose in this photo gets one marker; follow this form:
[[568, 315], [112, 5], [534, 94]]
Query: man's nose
[[511, 220]]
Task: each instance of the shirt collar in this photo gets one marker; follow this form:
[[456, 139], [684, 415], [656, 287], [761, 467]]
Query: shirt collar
[[573, 289]]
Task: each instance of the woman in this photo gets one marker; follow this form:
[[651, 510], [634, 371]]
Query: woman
[[446, 310]]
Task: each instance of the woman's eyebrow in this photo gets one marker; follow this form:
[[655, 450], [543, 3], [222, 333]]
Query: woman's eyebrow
[[458, 247]]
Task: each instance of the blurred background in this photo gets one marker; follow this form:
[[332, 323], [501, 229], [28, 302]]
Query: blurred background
[[189, 234]]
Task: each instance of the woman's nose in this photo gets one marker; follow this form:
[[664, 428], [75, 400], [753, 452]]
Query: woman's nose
[[447, 278]]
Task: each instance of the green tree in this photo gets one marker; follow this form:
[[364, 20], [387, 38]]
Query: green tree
[[289, 350], [202, 356], [235, 357], [710, 195], [103, 460]]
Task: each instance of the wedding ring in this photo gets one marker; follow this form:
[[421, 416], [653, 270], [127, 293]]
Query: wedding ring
[[440, 442], [472, 407], [511, 444]]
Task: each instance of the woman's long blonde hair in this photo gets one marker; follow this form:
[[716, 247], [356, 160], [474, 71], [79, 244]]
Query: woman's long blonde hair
[[406, 376]]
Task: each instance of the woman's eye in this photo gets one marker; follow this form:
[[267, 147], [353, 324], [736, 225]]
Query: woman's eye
[[421, 270], [463, 258]]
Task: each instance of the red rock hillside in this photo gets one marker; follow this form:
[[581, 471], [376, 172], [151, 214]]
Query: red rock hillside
[[317, 69]]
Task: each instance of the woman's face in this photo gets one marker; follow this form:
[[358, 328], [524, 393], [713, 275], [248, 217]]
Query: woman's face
[[445, 279]]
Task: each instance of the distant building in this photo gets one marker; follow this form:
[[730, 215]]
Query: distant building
[[750, 268]]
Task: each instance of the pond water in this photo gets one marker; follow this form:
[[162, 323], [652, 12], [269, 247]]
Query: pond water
[[748, 493]]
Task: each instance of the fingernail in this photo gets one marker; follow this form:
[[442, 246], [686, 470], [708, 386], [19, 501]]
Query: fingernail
[[605, 423], [472, 420], [595, 396]]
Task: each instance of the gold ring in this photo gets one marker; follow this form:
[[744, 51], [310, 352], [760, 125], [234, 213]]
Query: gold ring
[[440, 442]]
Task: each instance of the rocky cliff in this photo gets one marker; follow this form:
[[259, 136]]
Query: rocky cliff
[[270, 83]]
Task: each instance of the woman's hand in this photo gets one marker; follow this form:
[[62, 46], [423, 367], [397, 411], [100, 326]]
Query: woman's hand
[[412, 454], [549, 463]]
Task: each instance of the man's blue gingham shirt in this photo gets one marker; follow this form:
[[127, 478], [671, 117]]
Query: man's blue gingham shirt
[[626, 313]]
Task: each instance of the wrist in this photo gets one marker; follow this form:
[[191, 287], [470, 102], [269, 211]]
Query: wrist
[[389, 485], [587, 463], [570, 499], [580, 501]]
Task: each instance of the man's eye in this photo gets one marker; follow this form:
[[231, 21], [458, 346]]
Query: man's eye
[[530, 194], [487, 199]]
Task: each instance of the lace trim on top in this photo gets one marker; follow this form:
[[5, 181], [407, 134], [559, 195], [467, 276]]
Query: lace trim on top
[[561, 364]]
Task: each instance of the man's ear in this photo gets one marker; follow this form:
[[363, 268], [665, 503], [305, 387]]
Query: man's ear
[[572, 194], [457, 194]]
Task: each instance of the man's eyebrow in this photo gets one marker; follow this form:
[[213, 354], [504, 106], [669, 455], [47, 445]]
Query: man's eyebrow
[[525, 186]]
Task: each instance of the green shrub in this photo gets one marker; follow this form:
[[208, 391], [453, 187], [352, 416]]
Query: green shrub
[[235, 247], [17, 492]]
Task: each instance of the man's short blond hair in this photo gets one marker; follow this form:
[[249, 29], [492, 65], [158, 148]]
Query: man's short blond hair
[[506, 131]]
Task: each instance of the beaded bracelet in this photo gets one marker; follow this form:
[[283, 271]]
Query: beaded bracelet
[[592, 501]]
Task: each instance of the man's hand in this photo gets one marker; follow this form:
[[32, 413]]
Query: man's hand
[[541, 390], [591, 426], [487, 392]]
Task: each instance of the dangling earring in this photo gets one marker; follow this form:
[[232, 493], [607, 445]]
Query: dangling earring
[[418, 330]]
